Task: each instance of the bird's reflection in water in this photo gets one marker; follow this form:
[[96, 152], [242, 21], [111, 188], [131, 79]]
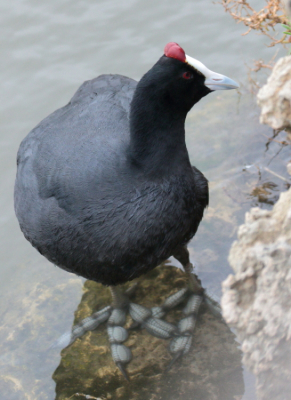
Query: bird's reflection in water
[[210, 371]]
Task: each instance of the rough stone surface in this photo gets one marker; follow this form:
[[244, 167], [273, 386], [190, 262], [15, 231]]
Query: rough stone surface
[[275, 97], [257, 299]]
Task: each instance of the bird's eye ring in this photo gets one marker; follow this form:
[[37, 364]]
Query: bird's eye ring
[[187, 75]]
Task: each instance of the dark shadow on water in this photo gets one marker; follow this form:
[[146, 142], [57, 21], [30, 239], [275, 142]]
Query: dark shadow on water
[[210, 371]]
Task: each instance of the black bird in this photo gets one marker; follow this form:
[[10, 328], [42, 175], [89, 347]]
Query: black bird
[[105, 188]]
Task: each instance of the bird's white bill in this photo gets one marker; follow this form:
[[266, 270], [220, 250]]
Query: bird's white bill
[[213, 80], [220, 82]]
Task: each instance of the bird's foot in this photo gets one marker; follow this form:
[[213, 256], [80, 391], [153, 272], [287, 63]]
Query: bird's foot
[[150, 319], [180, 335]]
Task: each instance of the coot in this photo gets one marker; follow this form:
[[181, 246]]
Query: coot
[[105, 188]]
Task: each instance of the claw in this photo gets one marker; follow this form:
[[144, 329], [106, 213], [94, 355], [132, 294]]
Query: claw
[[174, 359], [122, 370], [160, 328], [213, 305], [180, 344], [121, 355]]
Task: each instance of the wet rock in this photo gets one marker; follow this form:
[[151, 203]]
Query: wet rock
[[257, 298], [275, 97], [210, 371]]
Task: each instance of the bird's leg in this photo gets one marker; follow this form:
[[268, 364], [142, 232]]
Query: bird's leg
[[194, 282], [117, 334], [181, 344], [119, 299], [182, 255]]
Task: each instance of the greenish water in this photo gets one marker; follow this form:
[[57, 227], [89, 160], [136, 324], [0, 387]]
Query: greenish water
[[50, 49]]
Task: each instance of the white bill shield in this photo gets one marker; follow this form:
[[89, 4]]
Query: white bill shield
[[213, 80]]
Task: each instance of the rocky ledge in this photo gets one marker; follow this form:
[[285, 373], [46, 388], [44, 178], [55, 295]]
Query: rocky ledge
[[257, 298]]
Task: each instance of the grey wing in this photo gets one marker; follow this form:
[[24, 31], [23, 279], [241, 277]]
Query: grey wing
[[61, 158]]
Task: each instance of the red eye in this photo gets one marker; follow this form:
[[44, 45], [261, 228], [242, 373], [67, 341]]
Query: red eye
[[187, 75]]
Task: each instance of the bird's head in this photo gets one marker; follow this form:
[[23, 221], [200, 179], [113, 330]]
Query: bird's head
[[181, 80]]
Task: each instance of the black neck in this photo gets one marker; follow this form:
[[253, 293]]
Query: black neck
[[157, 132]]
